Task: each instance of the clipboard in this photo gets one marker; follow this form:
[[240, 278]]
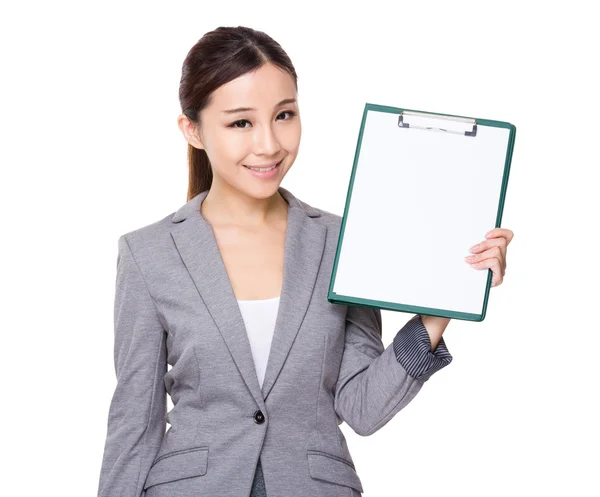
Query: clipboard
[[424, 188]]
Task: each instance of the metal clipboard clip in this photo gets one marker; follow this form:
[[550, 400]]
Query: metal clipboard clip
[[437, 122]]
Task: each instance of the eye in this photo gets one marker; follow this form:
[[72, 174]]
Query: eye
[[290, 112], [235, 123]]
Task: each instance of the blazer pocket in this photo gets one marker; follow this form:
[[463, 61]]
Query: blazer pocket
[[177, 465], [334, 469]]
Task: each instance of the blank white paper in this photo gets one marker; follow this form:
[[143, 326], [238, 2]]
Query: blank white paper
[[420, 200]]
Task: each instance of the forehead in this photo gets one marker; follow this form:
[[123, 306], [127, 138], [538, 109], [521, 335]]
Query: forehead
[[265, 87]]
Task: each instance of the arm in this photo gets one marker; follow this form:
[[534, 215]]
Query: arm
[[137, 413], [414, 348], [435, 327], [376, 382]]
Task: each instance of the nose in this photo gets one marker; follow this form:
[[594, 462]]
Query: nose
[[265, 141]]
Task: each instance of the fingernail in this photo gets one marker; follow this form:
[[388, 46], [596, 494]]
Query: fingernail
[[475, 247]]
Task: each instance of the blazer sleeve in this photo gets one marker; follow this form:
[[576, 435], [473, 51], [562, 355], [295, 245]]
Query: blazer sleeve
[[375, 382], [137, 413]]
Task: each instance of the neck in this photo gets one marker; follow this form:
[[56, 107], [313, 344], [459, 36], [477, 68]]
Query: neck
[[228, 206]]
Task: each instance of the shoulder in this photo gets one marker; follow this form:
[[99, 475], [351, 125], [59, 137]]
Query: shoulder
[[331, 220], [329, 217], [148, 237]]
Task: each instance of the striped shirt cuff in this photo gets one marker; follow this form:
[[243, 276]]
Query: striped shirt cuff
[[412, 347]]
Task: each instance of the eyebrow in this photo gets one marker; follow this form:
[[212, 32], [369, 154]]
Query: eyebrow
[[247, 109]]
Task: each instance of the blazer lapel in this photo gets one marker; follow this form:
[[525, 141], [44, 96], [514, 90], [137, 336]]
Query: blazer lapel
[[304, 244]]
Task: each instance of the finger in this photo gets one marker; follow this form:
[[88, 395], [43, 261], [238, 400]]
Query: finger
[[482, 250], [494, 264], [493, 253], [500, 232]]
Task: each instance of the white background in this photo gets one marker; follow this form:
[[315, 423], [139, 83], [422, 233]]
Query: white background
[[90, 150]]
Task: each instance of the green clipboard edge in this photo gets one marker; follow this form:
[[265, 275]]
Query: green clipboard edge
[[336, 298]]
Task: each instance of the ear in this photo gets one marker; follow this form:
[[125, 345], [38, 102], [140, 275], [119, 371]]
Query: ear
[[189, 131]]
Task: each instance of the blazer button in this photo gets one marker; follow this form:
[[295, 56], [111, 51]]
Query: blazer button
[[259, 417]]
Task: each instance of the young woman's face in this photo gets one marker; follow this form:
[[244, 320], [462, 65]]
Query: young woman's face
[[266, 132]]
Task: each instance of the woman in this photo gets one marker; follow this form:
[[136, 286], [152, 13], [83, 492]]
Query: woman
[[231, 291]]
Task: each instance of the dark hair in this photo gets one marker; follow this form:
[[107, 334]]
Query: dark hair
[[220, 56]]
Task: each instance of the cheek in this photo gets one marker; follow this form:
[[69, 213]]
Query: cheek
[[290, 139], [229, 151]]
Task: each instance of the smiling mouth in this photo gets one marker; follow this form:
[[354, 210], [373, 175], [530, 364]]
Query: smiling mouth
[[263, 169]]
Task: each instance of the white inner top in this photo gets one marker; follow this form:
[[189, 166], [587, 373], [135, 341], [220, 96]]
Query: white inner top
[[259, 319]]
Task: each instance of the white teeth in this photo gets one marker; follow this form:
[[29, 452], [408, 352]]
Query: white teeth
[[263, 169]]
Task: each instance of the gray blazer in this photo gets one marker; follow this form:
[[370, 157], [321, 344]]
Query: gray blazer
[[174, 304]]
